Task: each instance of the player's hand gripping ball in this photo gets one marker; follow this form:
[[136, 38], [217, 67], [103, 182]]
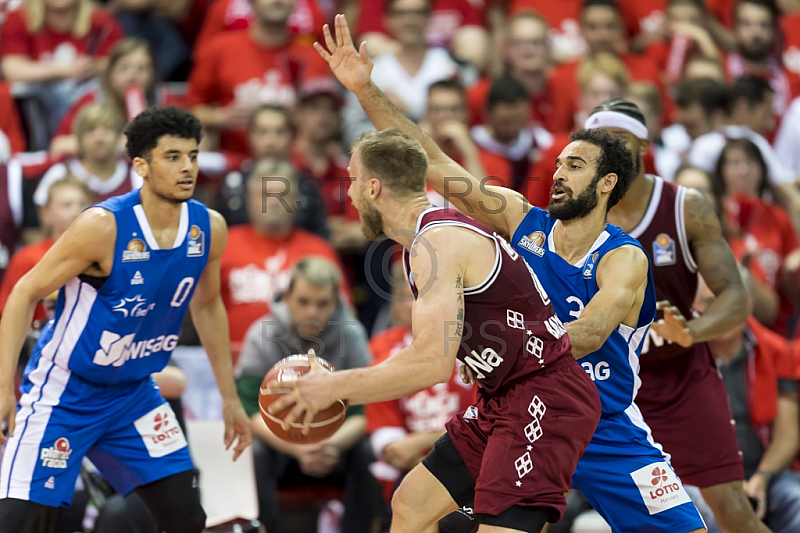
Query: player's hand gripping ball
[[288, 369]]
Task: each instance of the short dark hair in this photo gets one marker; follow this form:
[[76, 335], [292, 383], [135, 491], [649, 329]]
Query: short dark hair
[[448, 85], [699, 4], [769, 5], [506, 90], [710, 94], [150, 125], [390, 4], [752, 151], [622, 106], [615, 158], [269, 108], [751, 88], [600, 3]]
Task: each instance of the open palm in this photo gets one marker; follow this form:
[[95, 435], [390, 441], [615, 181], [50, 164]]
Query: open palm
[[350, 66]]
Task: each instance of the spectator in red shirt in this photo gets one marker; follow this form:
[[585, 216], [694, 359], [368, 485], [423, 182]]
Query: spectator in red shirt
[[66, 199], [238, 71], [130, 74], [755, 30], [256, 263], [10, 123]]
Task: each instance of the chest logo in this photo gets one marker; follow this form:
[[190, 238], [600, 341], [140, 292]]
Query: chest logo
[[663, 250], [135, 251], [196, 242], [533, 243], [587, 271]]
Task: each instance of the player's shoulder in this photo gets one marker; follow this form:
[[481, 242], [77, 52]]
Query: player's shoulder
[[215, 220]]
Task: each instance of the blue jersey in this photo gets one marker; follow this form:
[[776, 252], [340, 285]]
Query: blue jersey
[[615, 366], [124, 327]]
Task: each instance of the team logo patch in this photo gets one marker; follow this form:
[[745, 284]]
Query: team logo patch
[[663, 250], [136, 307], [135, 251], [137, 279], [160, 431], [533, 242], [587, 271], [660, 487], [195, 245], [57, 455], [50, 483], [471, 413]]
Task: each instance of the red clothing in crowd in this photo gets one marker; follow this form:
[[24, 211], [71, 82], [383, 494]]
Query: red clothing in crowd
[[10, 123], [427, 410], [306, 19], [255, 270], [541, 104], [446, 17], [22, 262], [791, 42], [563, 17], [103, 34], [334, 183], [234, 68]]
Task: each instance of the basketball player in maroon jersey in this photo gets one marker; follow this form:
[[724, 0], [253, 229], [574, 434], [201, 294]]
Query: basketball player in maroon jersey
[[682, 397]]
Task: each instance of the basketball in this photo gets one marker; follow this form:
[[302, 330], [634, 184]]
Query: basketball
[[325, 423]]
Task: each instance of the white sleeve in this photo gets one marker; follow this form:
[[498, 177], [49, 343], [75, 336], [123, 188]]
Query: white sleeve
[[779, 173], [705, 151], [787, 141], [53, 174]]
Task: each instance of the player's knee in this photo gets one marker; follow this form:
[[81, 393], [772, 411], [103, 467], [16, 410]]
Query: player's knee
[[732, 509], [189, 519]]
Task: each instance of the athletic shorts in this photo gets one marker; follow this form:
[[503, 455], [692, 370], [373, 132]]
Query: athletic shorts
[[127, 430], [628, 479], [686, 405], [522, 445]]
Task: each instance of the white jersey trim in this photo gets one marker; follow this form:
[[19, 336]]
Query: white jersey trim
[[655, 199], [15, 202], [598, 242], [680, 222], [147, 232]]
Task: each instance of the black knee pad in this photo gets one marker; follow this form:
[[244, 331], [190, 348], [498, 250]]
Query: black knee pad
[[175, 503], [446, 465]]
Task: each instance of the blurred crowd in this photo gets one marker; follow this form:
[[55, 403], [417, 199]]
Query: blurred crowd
[[499, 84]]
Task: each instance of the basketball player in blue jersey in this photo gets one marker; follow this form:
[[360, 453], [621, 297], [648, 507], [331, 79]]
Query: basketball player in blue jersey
[[601, 287], [127, 270]]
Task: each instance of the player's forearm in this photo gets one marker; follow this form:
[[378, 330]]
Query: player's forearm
[[211, 323], [14, 326], [728, 310], [23, 69], [586, 337], [353, 429], [396, 377], [384, 114]]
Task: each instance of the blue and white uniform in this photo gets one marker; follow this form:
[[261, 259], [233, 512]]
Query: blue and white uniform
[[87, 389], [624, 474]]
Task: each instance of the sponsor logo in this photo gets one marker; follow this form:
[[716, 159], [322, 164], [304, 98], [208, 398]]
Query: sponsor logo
[[56, 456], [555, 327], [587, 271], [486, 361], [136, 307], [196, 242], [135, 251], [598, 372], [50, 483], [160, 432], [660, 487], [471, 413], [137, 279], [663, 250], [533, 242], [115, 350]]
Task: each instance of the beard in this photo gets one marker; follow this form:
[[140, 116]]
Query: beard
[[572, 208], [755, 51], [371, 221]]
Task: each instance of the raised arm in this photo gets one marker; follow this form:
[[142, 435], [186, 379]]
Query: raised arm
[[500, 208], [622, 281], [211, 322]]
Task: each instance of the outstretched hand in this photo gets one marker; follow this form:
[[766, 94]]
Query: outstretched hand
[[674, 326], [351, 67]]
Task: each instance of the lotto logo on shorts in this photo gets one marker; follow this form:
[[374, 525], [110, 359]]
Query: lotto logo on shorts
[[57, 455], [160, 431], [660, 487]]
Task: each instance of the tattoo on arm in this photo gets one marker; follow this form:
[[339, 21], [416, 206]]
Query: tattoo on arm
[[460, 311], [714, 257]]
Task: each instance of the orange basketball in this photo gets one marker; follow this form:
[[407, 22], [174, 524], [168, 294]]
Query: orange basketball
[[325, 423]]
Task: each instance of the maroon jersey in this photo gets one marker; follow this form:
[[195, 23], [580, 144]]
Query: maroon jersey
[[11, 210], [510, 329], [662, 234]]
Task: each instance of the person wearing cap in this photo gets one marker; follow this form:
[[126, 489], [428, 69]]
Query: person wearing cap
[[681, 394], [599, 282]]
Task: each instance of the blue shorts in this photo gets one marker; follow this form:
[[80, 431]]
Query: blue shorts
[[127, 430], [628, 479]]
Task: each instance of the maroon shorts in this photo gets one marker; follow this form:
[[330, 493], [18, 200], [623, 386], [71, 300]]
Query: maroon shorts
[[684, 402], [522, 445]]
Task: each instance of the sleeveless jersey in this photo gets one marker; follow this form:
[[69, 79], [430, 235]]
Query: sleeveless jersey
[[124, 327], [614, 368], [662, 234], [510, 329]]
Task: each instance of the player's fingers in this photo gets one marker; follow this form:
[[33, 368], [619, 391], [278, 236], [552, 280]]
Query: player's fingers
[[341, 25], [663, 304], [307, 420], [346, 37], [322, 52], [229, 434], [329, 42], [295, 414], [362, 49], [284, 402]]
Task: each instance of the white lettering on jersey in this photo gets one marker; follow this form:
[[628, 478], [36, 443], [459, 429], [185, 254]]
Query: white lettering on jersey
[[575, 300], [160, 431], [660, 488], [486, 361], [555, 327], [598, 372], [57, 455], [515, 319], [657, 340], [116, 350], [182, 291]]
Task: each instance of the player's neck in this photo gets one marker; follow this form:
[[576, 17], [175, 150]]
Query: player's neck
[[162, 215], [101, 168], [631, 209], [269, 35], [400, 219], [574, 238]]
